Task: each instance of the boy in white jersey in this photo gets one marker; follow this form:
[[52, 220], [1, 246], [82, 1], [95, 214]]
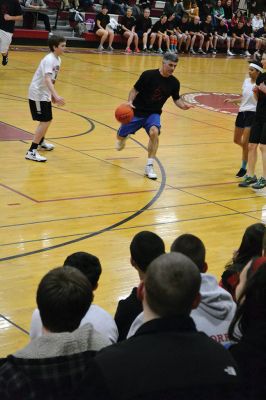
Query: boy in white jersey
[[41, 95]]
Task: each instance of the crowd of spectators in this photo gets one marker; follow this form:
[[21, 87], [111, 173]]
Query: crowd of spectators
[[179, 334]]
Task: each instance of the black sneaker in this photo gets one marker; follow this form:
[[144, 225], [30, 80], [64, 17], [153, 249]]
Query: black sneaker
[[260, 184], [242, 172], [5, 59]]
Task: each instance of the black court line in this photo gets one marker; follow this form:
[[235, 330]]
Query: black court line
[[14, 324]]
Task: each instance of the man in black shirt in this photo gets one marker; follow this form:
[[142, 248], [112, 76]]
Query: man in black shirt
[[183, 35], [143, 27], [147, 98], [207, 31], [221, 35], [194, 31], [238, 36], [10, 12]]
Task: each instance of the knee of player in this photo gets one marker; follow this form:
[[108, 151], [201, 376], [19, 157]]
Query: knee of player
[[154, 132]]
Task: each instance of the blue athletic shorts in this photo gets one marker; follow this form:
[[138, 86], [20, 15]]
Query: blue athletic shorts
[[138, 123]]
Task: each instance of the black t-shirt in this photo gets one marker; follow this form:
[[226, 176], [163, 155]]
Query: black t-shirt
[[238, 31], [227, 12], [171, 25], [248, 30], [143, 24], [183, 26], [194, 27], [154, 90], [11, 7], [261, 105], [207, 28], [104, 20], [221, 29], [158, 27], [128, 22]]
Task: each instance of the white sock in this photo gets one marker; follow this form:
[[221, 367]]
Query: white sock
[[150, 161]]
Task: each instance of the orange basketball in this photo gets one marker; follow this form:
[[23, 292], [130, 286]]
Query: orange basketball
[[124, 113]]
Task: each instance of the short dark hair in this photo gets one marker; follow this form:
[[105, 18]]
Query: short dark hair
[[64, 295], [145, 247], [87, 263], [172, 282], [54, 41], [192, 247]]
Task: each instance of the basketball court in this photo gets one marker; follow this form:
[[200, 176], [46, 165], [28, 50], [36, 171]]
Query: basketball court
[[89, 197]]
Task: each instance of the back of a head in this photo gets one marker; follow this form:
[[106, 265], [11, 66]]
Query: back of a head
[[63, 297], [172, 283], [192, 247], [251, 244], [145, 247], [87, 263]]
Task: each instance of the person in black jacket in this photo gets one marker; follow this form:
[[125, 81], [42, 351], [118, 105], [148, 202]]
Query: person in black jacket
[[144, 248]]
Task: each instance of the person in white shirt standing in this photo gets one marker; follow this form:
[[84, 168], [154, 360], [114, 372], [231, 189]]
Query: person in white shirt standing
[[245, 118], [41, 95]]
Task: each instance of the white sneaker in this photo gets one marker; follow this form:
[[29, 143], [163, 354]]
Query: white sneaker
[[35, 156], [120, 144], [100, 48], [229, 53], [46, 146], [247, 53], [149, 172]]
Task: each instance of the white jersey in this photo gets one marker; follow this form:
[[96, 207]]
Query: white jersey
[[248, 102], [38, 89]]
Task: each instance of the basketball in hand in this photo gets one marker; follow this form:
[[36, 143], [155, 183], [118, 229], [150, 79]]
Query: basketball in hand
[[124, 113]]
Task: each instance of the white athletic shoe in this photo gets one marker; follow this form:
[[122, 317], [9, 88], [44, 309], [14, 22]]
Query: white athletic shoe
[[229, 53], [149, 172], [34, 156], [46, 146], [247, 53], [120, 144]]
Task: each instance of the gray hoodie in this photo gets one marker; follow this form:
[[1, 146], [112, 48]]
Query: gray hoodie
[[212, 316]]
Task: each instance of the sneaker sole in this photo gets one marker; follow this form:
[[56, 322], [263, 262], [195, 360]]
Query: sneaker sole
[[31, 159], [153, 179], [44, 149]]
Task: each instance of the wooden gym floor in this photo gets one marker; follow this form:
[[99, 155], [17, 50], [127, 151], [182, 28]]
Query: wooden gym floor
[[88, 197]]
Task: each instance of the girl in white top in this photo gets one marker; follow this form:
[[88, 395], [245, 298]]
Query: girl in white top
[[42, 93], [246, 114]]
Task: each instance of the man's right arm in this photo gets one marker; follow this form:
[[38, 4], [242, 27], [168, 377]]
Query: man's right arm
[[131, 96]]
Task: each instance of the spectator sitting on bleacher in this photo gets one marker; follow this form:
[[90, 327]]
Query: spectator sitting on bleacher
[[257, 23], [71, 4], [128, 24], [261, 36], [217, 13], [174, 6], [144, 248], [207, 31], [237, 33], [101, 28], [237, 17], [172, 32], [51, 366], [250, 37], [143, 27], [194, 10], [251, 246], [183, 35], [167, 358], [159, 31], [228, 10], [101, 320], [143, 4], [221, 35], [39, 5], [194, 31], [216, 308]]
